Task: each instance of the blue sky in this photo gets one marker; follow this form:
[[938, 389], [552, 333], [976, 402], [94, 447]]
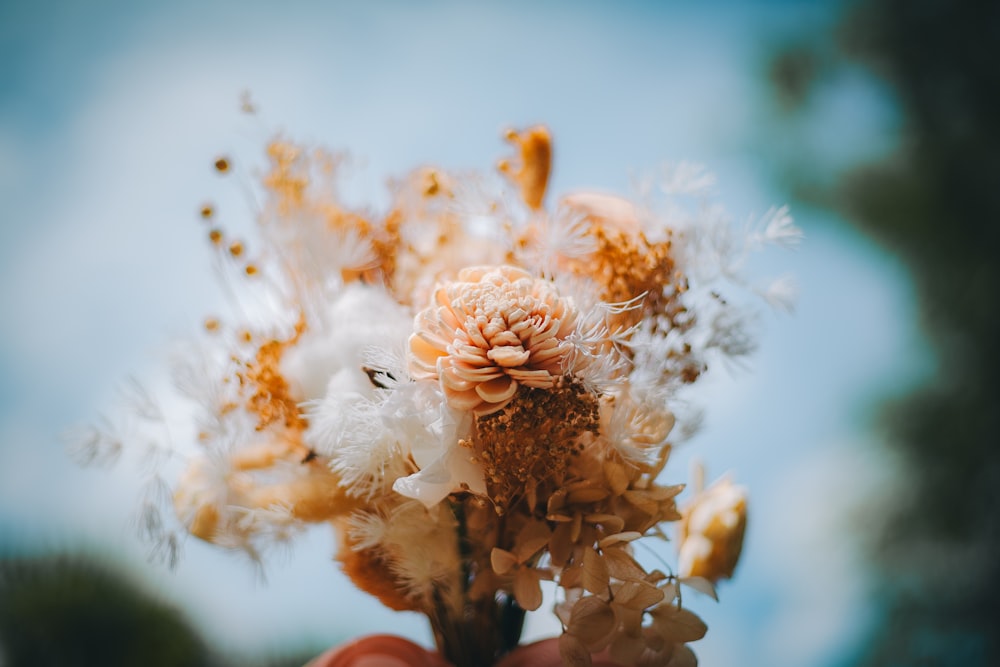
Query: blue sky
[[111, 115]]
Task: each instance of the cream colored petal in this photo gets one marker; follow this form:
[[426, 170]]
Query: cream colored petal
[[516, 316], [505, 338], [489, 408], [463, 400], [543, 332], [443, 297], [499, 389], [470, 354], [424, 352], [451, 380], [552, 355], [475, 335], [447, 320], [509, 356], [539, 379], [476, 373]]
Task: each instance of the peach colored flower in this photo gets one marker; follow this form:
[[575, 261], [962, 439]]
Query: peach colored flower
[[597, 207], [489, 332]]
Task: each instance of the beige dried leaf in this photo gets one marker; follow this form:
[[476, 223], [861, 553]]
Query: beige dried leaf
[[622, 566], [556, 502], [642, 501], [576, 528], [593, 621], [573, 652], [561, 544], [626, 650], [656, 644], [665, 492], [530, 539], [655, 577], [612, 523], [588, 495], [617, 477], [571, 577], [527, 588], [617, 538], [702, 585], [683, 657], [677, 624], [629, 620], [595, 572], [531, 493], [669, 591], [502, 561], [638, 595]]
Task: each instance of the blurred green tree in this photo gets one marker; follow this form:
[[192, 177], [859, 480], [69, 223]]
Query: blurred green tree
[[67, 611], [935, 201], [83, 611]]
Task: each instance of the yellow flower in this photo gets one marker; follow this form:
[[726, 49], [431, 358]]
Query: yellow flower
[[712, 531], [489, 332]]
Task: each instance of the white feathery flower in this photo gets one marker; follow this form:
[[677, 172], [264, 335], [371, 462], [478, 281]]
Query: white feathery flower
[[423, 545], [596, 357], [637, 426], [687, 178], [367, 529], [433, 432], [330, 353], [549, 240], [597, 207], [386, 367], [314, 255], [781, 294], [363, 449], [780, 229], [729, 333]]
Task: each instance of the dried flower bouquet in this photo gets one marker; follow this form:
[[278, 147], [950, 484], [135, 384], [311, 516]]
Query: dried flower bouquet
[[476, 391]]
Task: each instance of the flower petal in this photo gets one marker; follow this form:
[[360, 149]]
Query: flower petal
[[498, 390]]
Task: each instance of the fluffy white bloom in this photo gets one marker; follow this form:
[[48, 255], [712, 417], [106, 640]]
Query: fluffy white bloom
[[330, 355], [434, 432]]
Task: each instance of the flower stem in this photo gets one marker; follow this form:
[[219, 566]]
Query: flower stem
[[483, 629]]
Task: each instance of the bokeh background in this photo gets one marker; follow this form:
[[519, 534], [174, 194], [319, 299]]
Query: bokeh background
[[866, 426]]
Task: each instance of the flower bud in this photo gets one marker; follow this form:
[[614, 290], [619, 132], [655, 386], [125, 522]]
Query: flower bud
[[711, 535]]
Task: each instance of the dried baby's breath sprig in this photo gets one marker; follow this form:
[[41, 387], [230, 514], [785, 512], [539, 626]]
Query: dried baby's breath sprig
[[477, 391], [525, 442]]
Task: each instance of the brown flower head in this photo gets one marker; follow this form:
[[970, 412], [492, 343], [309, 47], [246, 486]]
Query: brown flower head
[[490, 331]]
